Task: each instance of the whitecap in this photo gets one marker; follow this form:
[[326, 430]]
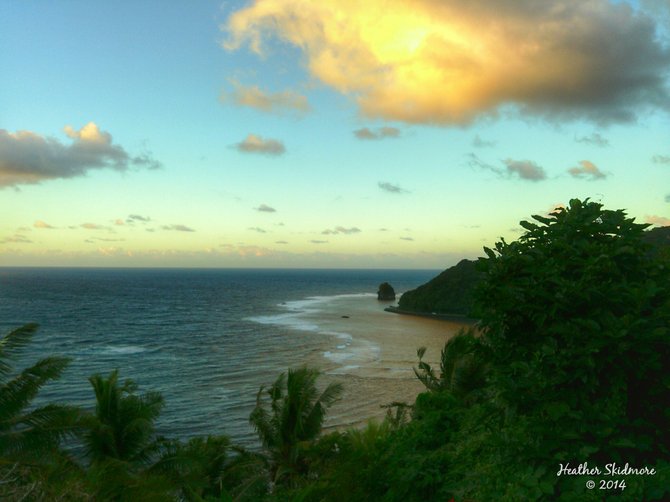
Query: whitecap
[[122, 349]]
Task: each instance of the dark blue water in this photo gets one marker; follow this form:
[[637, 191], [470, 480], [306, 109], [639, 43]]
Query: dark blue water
[[189, 334]]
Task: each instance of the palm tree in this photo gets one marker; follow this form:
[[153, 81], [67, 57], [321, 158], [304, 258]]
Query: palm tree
[[196, 468], [294, 420], [463, 367], [25, 432], [122, 427], [121, 443]]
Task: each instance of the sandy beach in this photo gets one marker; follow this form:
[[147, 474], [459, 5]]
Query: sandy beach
[[370, 351]]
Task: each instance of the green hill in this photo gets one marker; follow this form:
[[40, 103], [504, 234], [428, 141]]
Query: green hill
[[449, 293]]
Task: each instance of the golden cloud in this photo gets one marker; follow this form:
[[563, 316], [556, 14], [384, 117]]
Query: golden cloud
[[449, 61], [660, 221]]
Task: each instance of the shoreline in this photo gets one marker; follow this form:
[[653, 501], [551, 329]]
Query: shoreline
[[432, 315]]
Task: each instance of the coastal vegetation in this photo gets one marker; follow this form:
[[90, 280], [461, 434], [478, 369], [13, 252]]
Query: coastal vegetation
[[566, 372]]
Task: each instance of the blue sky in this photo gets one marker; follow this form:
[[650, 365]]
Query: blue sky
[[281, 133]]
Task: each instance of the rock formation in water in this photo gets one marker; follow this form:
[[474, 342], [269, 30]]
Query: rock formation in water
[[386, 292]]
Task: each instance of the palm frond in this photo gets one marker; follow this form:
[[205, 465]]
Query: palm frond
[[17, 393], [12, 343]]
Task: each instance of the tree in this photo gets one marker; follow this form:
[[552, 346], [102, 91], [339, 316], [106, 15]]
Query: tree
[[576, 317], [123, 425], [121, 443], [463, 367], [32, 463], [295, 418], [196, 467], [26, 432]]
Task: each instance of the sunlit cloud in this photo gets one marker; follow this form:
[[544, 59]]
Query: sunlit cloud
[[380, 133], [586, 169], [449, 62], [42, 224], [178, 228], [341, 230], [661, 159], [254, 97], [263, 208], [256, 144], [660, 221], [593, 139], [391, 187], [27, 157]]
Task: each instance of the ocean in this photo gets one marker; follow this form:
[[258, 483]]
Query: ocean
[[208, 339]]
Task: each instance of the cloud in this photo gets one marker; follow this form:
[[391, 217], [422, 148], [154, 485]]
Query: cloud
[[314, 241], [406, 239], [42, 224], [92, 226], [480, 143], [525, 169], [660, 221], [593, 139], [258, 229], [449, 61], [380, 133], [136, 217], [28, 158], [667, 198], [254, 97], [265, 209], [16, 239], [661, 159], [178, 228], [587, 169], [342, 230], [256, 144], [105, 239], [281, 242], [391, 188]]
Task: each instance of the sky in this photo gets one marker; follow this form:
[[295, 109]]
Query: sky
[[329, 134]]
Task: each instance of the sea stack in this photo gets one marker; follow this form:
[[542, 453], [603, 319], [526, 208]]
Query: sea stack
[[385, 292]]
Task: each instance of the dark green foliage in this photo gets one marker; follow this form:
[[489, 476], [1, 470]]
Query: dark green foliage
[[26, 431], [122, 426], [659, 238], [121, 444], [463, 367], [195, 468], [451, 292], [576, 316], [294, 419]]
